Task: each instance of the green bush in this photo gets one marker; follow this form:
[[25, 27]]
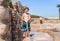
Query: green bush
[[10, 3], [34, 16], [46, 19]]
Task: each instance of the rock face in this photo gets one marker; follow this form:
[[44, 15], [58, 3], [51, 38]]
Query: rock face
[[4, 3], [9, 18], [36, 36], [41, 36], [5, 20], [4, 14], [3, 29], [16, 22], [48, 24], [4, 10]]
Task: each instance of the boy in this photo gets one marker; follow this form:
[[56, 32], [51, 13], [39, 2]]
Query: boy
[[26, 24]]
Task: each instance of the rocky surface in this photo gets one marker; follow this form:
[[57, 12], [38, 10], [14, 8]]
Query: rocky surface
[[54, 25]]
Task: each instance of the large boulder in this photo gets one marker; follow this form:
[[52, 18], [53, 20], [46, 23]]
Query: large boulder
[[3, 29]]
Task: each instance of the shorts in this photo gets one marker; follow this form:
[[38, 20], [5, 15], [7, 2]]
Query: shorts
[[24, 26]]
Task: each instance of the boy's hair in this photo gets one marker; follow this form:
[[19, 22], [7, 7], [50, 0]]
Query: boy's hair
[[25, 8]]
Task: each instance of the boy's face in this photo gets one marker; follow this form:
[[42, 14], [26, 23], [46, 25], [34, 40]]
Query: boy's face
[[26, 10]]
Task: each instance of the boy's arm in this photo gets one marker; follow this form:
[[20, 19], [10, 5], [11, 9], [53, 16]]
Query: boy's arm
[[29, 17]]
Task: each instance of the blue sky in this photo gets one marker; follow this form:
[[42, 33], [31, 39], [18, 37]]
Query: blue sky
[[45, 8]]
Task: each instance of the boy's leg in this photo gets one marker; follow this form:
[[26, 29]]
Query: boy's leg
[[29, 27], [26, 37], [25, 34], [24, 29]]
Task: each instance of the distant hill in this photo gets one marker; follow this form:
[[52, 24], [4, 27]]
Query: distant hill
[[35, 16]]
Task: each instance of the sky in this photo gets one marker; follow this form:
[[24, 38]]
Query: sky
[[44, 8]]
